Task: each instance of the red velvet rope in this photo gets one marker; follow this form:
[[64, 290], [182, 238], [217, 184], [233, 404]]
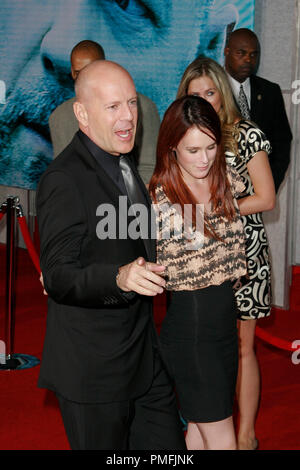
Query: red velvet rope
[[28, 243], [260, 333], [277, 342]]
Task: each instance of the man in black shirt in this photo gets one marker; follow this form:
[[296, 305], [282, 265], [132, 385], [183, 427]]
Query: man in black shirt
[[101, 354]]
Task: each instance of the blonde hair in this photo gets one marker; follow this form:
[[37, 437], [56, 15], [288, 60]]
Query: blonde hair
[[228, 114]]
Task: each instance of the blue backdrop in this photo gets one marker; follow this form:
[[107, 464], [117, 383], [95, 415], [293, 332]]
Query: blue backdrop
[[153, 39]]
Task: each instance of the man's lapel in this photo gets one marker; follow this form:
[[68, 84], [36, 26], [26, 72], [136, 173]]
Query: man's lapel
[[256, 98], [150, 244], [105, 181], [114, 192]]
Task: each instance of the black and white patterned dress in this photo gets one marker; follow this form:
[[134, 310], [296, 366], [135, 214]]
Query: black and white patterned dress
[[253, 295]]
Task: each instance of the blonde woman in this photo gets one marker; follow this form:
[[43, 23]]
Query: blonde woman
[[247, 151]]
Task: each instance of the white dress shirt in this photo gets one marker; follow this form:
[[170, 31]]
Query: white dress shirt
[[235, 86]]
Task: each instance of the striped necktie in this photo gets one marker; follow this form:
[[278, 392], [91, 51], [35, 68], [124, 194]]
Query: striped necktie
[[243, 104]]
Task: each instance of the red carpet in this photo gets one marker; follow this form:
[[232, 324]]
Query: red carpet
[[30, 419]]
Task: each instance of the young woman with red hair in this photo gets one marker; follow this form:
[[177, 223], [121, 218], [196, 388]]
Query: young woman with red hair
[[192, 182], [246, 149]]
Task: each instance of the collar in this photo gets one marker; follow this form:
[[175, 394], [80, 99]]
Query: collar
[[108, 162], [235, 86]]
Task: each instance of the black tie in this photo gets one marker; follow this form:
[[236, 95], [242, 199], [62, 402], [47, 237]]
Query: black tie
[[134, 190], [136, 196], [243, 104]]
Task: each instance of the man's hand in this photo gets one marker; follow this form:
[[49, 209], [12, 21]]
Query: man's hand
[[141, 277]]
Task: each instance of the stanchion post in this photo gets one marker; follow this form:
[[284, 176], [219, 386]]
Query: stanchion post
[[11, 202], [10, 274], [12, 361]]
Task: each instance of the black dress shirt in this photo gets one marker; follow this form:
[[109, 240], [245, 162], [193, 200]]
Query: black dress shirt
[[110, 163]]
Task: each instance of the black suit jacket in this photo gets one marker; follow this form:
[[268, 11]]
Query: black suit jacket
[[268, 112], [99, 343]]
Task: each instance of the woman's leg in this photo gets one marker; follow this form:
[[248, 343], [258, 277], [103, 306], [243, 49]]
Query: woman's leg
[[214, 436], [248, 385], [193, 438]]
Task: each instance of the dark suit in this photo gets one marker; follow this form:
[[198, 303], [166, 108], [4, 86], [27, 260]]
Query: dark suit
[[100, 343], [268, 112]]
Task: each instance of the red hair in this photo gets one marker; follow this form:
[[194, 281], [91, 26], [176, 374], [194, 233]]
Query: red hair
[[182, 114]]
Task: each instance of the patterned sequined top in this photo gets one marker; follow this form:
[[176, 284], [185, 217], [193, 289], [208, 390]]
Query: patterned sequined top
[[202, 261], [253, 298]]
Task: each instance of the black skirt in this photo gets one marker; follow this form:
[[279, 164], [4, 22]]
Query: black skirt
[[199, 339]]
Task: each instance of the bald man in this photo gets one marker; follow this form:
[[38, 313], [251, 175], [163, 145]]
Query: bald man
[[101, 354], [264, 101], [63, 124]]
